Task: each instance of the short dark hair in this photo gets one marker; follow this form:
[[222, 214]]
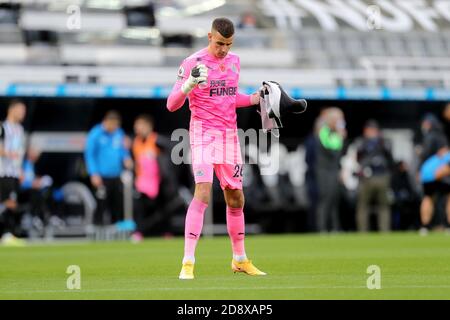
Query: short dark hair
[[146, 118], [112, 115], [224, 26], [15, 102], [372, 123]]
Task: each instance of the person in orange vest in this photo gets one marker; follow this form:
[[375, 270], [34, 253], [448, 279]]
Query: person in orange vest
[[148, 175]]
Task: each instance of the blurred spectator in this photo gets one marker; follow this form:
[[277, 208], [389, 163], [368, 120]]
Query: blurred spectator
[[432, 132], [446, 115], [248, 21], [106, 157], [444, 171], [35, 190], [331, 136], [433, 169], [158, 192], [376, 164], [12, 149], [148, 178], [311, 180], [406, 198], [436, 186], [311, 145]]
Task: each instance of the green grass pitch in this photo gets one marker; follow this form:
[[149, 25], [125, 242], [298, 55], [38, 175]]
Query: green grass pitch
[[298, 267]]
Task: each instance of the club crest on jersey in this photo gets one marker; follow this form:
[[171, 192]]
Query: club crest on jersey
[[234, 68], [199, 173]]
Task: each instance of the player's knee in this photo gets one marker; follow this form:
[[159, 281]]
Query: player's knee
[[202, 196], [203, 192], [236, 203], [236, 200]]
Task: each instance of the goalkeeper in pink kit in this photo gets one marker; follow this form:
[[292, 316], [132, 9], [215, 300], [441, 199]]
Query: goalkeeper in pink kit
[[209, 78]]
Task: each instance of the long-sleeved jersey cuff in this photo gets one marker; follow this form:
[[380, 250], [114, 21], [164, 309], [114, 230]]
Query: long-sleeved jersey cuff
[[243, 100]]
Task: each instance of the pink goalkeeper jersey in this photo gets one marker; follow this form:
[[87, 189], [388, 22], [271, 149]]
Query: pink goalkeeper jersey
[[213, 126], [213, 105]]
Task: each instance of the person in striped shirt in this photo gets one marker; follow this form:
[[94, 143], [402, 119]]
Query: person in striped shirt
[[12, 150]]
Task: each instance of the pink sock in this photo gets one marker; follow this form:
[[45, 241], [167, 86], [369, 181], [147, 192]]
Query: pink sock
[[193, 227], [236, 230]]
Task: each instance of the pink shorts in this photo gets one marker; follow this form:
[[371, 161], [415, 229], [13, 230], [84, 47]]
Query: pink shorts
[[225, 161], [229, 175]]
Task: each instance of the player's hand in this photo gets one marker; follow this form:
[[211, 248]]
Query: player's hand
[[10, 204], [12, 155], [128, 164], [96, 181], [254, 98], [198, 74], [442, 172]]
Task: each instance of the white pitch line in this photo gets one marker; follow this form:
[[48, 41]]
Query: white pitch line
[[221, 288]]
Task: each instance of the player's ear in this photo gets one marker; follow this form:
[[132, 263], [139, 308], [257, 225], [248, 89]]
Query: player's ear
[[209, 36]]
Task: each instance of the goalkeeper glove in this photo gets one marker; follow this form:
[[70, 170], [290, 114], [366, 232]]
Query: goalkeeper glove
[[198, 75]]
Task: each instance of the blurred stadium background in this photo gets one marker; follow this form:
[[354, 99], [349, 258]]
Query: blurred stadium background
[[124, 55]]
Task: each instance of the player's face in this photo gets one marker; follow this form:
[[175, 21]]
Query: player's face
[[33, 155], [371, 132], [447, 112], [219, 46], [19, 111], [111, 125], [426, 126], [142, 128]]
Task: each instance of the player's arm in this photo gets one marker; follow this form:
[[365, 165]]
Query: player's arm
[[89, 153], [331, 140], [91, 162], [443, 171], [22, 150], [245, 100], [125, 152], [3, 153], [2, 150], [188, 79]]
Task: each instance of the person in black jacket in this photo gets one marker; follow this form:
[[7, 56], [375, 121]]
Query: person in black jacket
[[330, 147], [406, 198], [376, 163], [432, 132], [446, 116]]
